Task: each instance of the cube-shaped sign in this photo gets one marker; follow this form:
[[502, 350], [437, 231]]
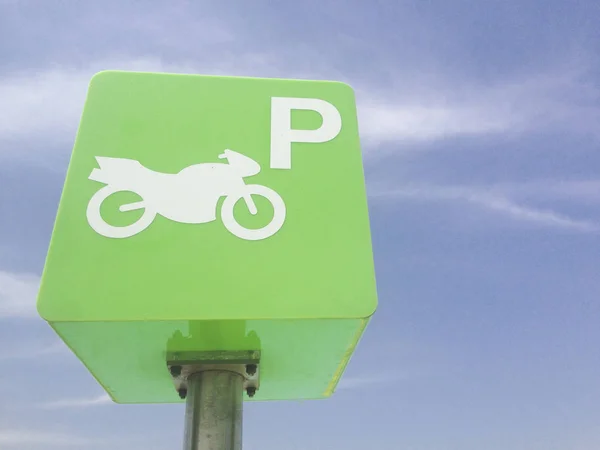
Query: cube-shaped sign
[[206, 213]]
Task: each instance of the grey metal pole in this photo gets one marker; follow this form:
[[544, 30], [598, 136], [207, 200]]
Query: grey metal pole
[[213, 415]]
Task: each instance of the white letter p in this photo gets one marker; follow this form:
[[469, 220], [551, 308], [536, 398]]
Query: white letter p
[[282, 134]]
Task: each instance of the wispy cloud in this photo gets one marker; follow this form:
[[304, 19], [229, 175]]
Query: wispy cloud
[[34, 350], [560, 97], [103, 399], [370, 380], [491, 200], [18, 439], [47, 105], [18, 294], [580, 191]]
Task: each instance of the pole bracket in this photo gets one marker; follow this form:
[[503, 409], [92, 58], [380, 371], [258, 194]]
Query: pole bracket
[[243, 362]]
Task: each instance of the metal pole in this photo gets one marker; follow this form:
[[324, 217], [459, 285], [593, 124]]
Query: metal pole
[[213, 415]]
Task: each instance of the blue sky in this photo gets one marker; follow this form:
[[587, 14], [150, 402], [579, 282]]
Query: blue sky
[[480, 123]]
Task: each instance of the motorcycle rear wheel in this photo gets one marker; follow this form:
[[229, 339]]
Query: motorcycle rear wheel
[[100, 226]]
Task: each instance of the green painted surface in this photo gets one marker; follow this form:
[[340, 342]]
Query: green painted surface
[[111, 297]]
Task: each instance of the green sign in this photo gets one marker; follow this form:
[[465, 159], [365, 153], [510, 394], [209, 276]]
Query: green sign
[[212, 213]]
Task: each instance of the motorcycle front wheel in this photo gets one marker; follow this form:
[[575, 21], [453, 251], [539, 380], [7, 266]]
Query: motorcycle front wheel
[[100, 226], [260, 233]]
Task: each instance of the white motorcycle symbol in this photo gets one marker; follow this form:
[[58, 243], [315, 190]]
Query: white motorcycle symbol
[[190, 196]]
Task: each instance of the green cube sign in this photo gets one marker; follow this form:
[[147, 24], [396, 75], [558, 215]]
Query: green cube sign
[[206, 213]]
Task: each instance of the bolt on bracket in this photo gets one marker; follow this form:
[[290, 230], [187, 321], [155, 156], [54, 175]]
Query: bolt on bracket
[[181, 365]]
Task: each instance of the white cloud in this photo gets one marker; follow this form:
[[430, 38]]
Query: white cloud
[[47, 105], [421, 112], [491, 200], [581, 191], [34, 350], [18, 293], [18, 439], [369, 380], [103, 399]]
